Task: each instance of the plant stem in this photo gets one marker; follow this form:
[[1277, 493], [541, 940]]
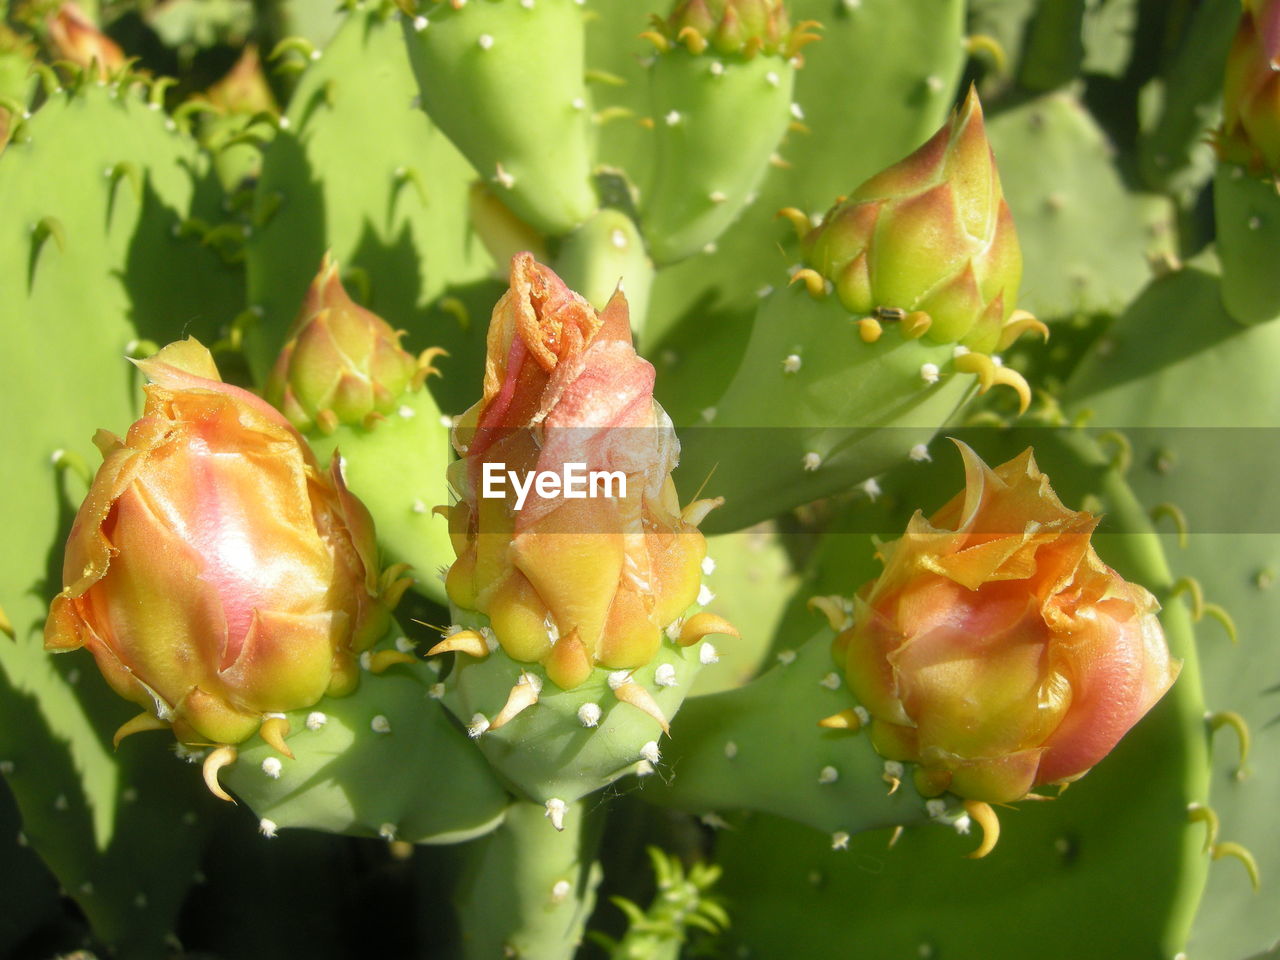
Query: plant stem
[[530, 888]]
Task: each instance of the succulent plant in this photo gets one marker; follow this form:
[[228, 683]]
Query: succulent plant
[[721, 86], [611, 345], [341, 363]]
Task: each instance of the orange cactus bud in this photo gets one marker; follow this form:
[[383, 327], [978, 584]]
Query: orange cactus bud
[[214, 571], [342, 363], [930, 238], [76, 38], [569, 581], [244, 88], [996, 650], [1250, 133]]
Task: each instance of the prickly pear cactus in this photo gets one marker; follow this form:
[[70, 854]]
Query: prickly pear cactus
[[914, 328], [332, 780], [1174, 418], [902, 98], [515, 101], [394, 216], [722, 87], [102, 201], [1050, 866], [559, 550]]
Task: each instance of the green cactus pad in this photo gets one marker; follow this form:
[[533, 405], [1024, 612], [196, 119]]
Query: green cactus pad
[[716, 124], [820, 399], [394, 216], [364, 765], [560, 748], [1054, 47], [1247, 210], [97, 188], [1200, 364], [1085, 238], [1234, 572], [1182, 105], [760, 748], [530, 886], [505, 81], [751, 577], [1203, 412], [401, 500]]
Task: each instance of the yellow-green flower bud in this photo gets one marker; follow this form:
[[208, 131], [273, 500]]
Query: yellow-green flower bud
[[930, 241], [342, 363]]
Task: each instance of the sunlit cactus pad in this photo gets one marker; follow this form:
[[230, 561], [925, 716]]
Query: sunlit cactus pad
[[639, 479]]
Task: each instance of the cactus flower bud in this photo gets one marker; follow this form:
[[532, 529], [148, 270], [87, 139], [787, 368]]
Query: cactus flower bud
[[930, 242], [996, 650], [729, 27], [244, 89], [1250, 133], [76, 38], [570, 583], [342, 363], [213, 571]]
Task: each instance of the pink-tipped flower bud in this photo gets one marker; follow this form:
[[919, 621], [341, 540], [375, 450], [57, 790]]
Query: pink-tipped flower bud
[[997, 651], [341, 363], [930, 241], [1250, 133], [214, 571], [570, 582]]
